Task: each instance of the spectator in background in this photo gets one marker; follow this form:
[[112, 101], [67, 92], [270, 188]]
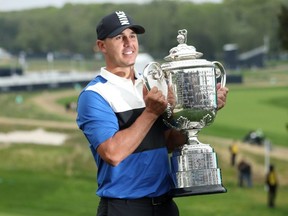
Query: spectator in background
[[233, 151], [245, 174], [272, 183]]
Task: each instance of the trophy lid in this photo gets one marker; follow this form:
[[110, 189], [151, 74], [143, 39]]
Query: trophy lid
[[182, 51]]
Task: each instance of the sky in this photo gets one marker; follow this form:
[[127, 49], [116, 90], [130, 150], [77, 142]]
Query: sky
[[12, 5]]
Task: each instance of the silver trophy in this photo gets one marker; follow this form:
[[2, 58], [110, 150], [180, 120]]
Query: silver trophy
[[194, 165]]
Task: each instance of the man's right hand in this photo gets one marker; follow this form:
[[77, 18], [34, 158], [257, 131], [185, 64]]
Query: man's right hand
[[155, 101]]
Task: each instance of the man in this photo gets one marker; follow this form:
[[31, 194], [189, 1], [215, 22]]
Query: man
[[123, 124], [245, 173], [272, 183], [233, 151]]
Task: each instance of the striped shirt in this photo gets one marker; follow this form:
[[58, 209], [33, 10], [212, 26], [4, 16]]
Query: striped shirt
[[110, 103]]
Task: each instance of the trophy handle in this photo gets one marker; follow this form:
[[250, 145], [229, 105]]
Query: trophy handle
[[220, 73], [153, 75]]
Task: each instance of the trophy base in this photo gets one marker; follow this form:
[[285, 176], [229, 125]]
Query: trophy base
[[198, 190]]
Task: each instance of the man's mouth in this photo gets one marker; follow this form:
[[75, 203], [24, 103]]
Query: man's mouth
[[128, 53]]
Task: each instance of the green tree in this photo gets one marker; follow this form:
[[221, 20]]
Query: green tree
[[283, 27], [71, 29]]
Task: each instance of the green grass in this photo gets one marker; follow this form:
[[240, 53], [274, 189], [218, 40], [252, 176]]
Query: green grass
[[47, 180], [39, 193], [25, 109], [250, 109], [40, 180], [236, 202]]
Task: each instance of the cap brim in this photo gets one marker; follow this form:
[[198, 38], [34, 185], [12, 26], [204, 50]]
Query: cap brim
[[136, 28]]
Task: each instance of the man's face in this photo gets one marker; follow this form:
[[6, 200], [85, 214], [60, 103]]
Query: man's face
[[121, 50]]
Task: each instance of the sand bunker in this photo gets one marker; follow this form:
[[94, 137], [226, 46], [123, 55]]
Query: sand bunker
[[38, 136]]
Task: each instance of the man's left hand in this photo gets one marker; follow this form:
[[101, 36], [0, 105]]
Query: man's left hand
[[221, 95]]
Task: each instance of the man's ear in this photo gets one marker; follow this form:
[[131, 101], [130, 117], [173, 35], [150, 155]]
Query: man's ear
[[101, 46]]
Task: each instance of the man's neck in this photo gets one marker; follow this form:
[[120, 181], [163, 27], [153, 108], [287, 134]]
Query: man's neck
[[127, 72]]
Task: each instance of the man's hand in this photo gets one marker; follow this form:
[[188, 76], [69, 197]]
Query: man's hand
[[155, 101], [221, 95]]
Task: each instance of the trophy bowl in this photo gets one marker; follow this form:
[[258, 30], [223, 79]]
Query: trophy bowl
[[194, 168]]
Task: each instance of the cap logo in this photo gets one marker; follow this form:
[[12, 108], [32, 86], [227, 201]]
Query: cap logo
[[122, 18]]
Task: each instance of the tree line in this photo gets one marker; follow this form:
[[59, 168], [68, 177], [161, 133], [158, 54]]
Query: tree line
[[71, 29]]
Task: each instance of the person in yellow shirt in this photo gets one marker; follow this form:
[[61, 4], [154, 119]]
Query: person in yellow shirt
[[233, 151], [272, 183]]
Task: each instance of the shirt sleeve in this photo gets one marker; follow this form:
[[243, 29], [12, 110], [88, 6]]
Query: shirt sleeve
[[96, 118]]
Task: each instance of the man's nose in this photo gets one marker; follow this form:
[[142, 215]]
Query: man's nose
[[127, 41]]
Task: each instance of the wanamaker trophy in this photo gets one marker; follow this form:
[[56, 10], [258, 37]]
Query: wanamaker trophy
[[194, 166]]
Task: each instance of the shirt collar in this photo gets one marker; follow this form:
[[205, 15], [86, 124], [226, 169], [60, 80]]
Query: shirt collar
[[117, 80]]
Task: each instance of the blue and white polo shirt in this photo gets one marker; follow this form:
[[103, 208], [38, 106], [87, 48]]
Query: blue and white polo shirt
[[108, 104]]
